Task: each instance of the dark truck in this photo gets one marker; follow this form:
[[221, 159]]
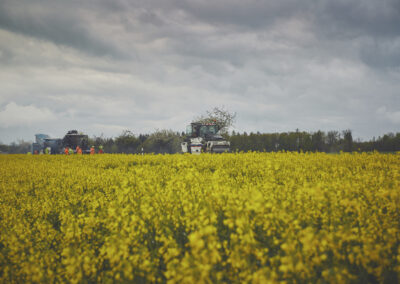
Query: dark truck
[[73, 139], [57, 145]]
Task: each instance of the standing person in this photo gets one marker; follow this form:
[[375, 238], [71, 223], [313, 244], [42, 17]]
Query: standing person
[[46, 151], [92, 151], [71, 151], [101, 149], [78, 150], [66, 151]]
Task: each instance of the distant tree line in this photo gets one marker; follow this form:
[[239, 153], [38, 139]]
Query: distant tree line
[[16, 147], [319, 141], [168, 142], [159, 142]]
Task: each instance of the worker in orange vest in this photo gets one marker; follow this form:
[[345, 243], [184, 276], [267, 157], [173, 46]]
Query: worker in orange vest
[[66, 151], [78, 150], [92, 152]]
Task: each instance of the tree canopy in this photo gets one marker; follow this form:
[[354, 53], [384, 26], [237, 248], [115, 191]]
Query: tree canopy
[[220, 116]]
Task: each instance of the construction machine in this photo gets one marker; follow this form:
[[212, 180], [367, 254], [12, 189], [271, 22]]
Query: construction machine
[[56, 145], [73, 139], [53, 144], [204, 137], [38, 145]]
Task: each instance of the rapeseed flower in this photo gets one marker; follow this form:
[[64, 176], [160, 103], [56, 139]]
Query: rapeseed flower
[[243, 217]]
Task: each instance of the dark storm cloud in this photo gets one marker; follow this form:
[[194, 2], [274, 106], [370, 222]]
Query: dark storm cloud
[[381, 53], [251, 14], [56, 21], [67, 23], [359, 18], [377, 21], [378, 18]]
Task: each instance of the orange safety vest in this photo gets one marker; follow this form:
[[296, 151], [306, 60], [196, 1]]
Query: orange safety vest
[[79, 151], [66, 151], [92, 151]]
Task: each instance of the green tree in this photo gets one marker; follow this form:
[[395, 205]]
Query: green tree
[[318, 139], [332, 139], [107, 143], [220, 116], [127, 142], [347, 141], [21, 147], [163, 141]]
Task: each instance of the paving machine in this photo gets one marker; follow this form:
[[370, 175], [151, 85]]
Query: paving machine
[[204, 137], [53, 144], [38, 146], [57, 145], [73, 139]]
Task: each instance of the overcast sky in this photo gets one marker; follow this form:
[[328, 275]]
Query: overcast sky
[[105, 66]]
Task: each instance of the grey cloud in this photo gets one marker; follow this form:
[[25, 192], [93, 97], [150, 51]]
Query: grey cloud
[[334, 17], [56, 22], [381, 53], [329, 21], [251, 14], [359, 18], [280, 65]]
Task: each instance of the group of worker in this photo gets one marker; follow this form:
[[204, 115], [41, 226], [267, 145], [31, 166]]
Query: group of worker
[[69, 151], [78, 150], [46, 150]]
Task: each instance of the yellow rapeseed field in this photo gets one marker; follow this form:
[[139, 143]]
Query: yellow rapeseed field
[[241, 218]]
